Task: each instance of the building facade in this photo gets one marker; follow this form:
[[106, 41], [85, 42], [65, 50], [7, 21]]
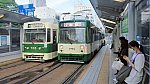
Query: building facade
[[38, 3], [142, 15], [136, 26], [45, 13], [80, 7]]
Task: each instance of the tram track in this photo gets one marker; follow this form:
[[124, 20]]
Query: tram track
[[32, 75], [14, 64], [10, 62], [70, 79], [53, 67], [10, 73], [60, 74], [25, 75]]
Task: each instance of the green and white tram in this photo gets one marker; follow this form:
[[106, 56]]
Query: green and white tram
[[40, 41], [78, 41]]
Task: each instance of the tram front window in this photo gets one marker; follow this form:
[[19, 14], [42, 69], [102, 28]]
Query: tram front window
[[72, 35], [35, 35]]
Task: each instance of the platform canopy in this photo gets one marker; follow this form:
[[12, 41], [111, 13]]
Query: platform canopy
[[8, 16], [109, 9]]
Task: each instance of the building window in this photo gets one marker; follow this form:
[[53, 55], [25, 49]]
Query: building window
[[143, 30]]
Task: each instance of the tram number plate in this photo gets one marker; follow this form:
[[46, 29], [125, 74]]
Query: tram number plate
[[71, 48]]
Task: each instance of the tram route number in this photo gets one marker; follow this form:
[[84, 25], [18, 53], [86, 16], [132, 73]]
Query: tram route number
[[71, 48]]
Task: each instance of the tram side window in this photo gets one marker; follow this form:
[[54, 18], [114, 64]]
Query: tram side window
[[48, 35], [54, 36], [99, 38], [89, 35], [92, 35], [96, 36]]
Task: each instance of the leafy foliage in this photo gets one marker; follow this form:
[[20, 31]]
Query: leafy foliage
[[8, 4]]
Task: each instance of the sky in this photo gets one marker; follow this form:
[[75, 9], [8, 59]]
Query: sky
[[58, 5], [61, 6]]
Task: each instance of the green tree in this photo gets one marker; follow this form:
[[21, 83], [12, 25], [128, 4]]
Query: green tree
[[8, 4]]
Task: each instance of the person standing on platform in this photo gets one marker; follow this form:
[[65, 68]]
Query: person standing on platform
[[123, 50], [137, 64]]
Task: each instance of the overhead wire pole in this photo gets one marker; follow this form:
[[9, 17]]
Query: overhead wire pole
[[10, 40]]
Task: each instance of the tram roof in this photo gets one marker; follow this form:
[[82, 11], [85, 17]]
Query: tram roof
[[9, 16], [109, 9]]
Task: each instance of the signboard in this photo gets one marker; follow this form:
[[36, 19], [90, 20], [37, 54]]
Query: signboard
[[0, 40], [3, 40], [73, 24], [27, 9], [36, 25], [125, 25]]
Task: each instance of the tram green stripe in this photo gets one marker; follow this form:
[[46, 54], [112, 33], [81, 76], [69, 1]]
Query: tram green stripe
[[39, 48]]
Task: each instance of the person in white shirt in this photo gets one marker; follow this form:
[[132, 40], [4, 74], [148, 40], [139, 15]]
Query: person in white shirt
[[137, 63]]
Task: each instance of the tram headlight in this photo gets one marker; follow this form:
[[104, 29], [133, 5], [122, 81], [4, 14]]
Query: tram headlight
[[61, 46], [81, 47], [39, 48], [27, 48]]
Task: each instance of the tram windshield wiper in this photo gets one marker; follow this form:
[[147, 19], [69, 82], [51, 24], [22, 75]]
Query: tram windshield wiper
[[70, 41], [32, 42]]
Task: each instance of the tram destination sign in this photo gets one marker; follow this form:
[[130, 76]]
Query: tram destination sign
[[73, 24], [36, 25]]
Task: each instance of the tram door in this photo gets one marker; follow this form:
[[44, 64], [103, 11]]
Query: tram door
[[54, 40], [54, 36]]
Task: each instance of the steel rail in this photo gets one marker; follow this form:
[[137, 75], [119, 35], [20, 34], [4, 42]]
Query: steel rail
[[70, 79], [12, 65], [7, 77], [52, 68]]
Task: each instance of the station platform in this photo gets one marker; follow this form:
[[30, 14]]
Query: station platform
[[10, 56], [99, 70]]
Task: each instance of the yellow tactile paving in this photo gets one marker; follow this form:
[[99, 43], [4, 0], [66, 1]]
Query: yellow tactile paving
[[84, 71], [104, 72]]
